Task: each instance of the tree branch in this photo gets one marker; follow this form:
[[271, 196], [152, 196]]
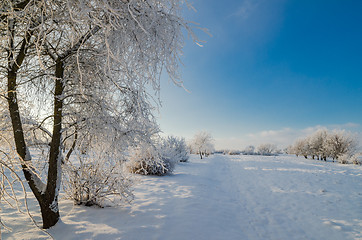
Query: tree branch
[[18, 7], [82, 40]]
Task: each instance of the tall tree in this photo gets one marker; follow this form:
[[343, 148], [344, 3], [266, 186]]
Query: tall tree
[[86, 67]]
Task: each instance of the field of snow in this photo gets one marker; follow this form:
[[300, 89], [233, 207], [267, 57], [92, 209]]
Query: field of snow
[[221, 197]]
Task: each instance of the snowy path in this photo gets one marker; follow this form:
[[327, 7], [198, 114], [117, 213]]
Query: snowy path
[[228, 197], [298, 200]]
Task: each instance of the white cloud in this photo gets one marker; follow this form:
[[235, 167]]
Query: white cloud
[[282, 137]]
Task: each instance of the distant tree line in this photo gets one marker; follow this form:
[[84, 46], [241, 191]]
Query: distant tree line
[[337, 145], [266, 149]]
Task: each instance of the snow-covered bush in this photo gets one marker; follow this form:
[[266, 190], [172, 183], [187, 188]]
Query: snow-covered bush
[[234, 152], [146, 159], [174, 149], [356, 159], [221, 151], [267, 149], [249, 150], [344, 159], [96, 179], [348, 158]]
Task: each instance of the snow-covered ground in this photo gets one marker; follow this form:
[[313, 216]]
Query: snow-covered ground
[[222, 197]]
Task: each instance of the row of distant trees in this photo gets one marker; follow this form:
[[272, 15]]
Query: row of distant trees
[[203, 144], [337, 145], [266, 149]]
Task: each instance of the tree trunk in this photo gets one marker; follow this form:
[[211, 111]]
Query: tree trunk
[[47, 195], [48, 200], [18, 132], [50, 211], [50, 215]]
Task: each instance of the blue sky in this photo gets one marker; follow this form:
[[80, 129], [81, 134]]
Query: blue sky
[[273, 71]]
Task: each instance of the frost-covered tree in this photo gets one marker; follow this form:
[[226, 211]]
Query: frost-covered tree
[[340, 143], [267, 149], [326, 144], [317, 143], [75, 69], [301, 147], [202, 144]]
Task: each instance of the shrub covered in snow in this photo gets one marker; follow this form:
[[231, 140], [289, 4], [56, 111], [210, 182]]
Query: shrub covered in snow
[[348, 158], [267, 149], [174, 149], [344, 159], [147, 159], [357, 159], [95, 179], [249, 150], [234, 152]]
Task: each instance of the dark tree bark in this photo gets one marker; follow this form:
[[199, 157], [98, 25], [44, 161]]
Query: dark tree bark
[[46, 195], [55, 154], [47, 199]]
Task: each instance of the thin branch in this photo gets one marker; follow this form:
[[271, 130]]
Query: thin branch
[[18, 7], [82, 40]]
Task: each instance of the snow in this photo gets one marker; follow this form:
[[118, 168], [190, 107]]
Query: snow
[[221, 197]]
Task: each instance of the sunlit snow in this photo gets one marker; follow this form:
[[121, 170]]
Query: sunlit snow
[[221, 197]]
